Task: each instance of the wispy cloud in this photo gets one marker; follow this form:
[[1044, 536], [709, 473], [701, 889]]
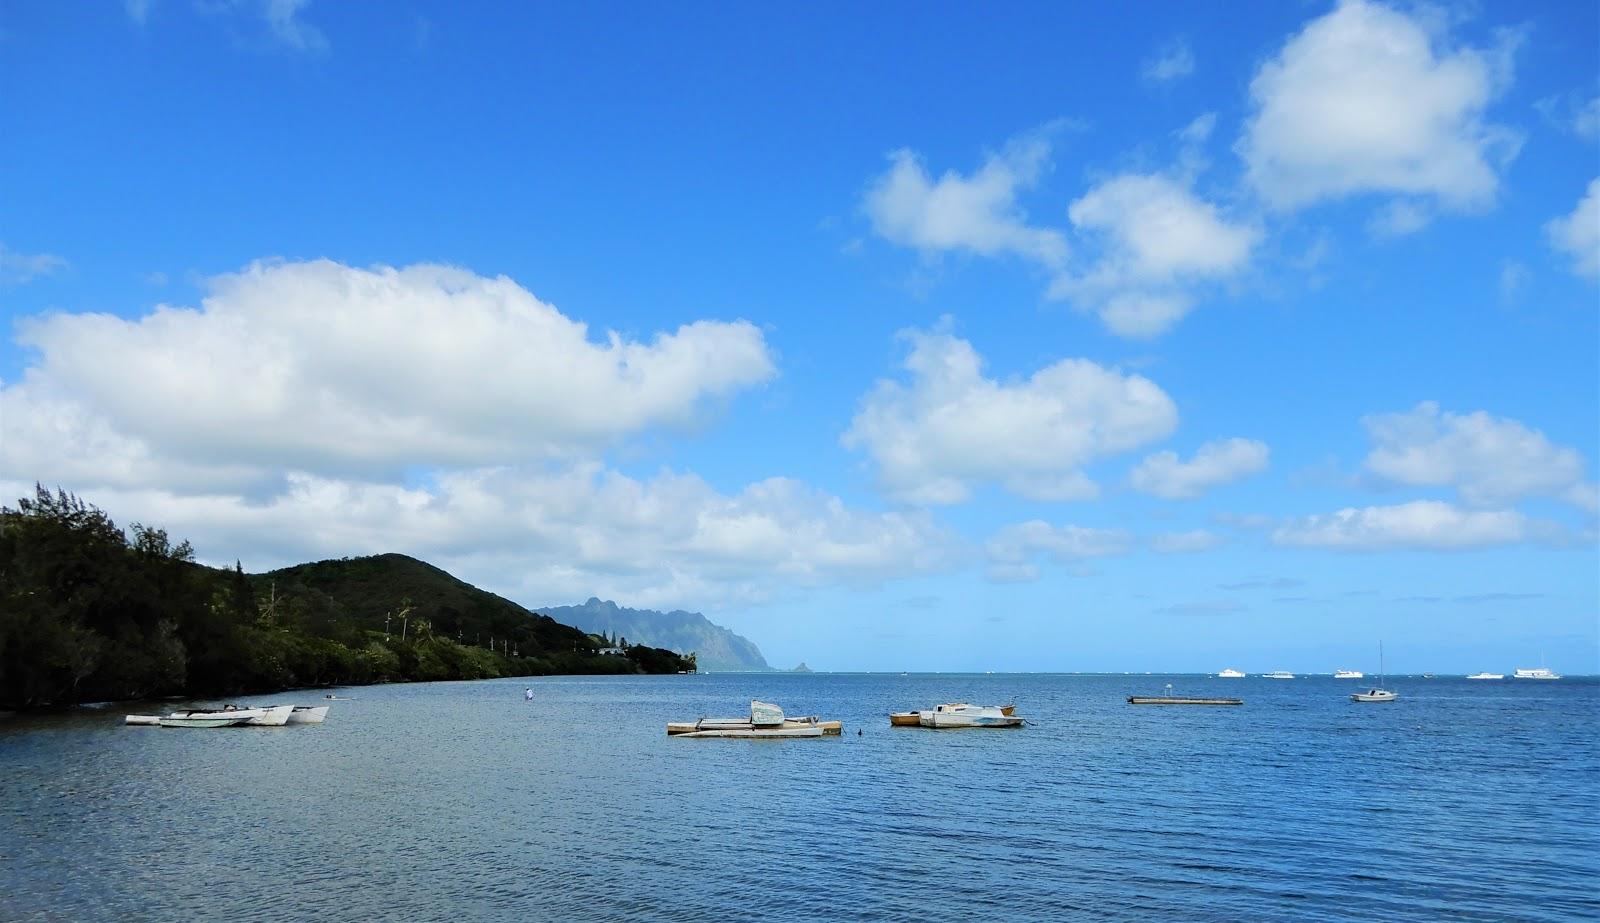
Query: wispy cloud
[[17, 268], [1172, 61]]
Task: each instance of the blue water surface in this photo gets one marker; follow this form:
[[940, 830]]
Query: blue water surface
[[460, 801]]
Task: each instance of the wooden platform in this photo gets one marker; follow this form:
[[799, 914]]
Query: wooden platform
[[1178, 700]]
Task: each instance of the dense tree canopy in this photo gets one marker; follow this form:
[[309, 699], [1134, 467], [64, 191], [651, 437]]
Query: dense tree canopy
[[90, 613]]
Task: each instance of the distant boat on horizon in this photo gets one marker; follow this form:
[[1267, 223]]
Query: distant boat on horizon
[[1348, 674], [1278, 674], [1536, 673], [1231, 673], [1487, 676]]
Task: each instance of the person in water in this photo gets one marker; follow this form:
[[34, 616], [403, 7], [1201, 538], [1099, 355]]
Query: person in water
[[527, 694]]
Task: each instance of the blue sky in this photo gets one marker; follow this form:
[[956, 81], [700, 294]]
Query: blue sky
[[1039, 338]]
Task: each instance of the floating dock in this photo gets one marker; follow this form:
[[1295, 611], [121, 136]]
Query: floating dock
[[1179, 700]]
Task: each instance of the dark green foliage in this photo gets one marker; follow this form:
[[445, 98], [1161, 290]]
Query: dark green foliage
[[90, 614]]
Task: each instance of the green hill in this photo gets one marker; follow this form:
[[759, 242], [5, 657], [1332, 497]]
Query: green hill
[[89, 612]]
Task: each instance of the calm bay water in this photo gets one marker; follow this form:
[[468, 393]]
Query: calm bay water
[[460, 801]]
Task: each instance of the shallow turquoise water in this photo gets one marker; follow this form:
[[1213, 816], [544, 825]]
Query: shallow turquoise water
[[460, 801]]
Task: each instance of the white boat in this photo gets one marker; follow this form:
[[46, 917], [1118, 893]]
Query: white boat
[[212, 720], [1376, 693], [1348, 674], [766, 720], [1535, 673], [145, 720], [308, 714], [962, 715], [1487, 676], [271, 716], [1278, 674], [1231, 674]]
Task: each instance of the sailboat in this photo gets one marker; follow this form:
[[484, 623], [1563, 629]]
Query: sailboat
[[1376, 693]]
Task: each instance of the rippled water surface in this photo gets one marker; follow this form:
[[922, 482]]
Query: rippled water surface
[[460, 801]]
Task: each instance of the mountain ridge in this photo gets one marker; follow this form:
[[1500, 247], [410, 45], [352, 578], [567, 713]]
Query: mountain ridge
[[714, 646]]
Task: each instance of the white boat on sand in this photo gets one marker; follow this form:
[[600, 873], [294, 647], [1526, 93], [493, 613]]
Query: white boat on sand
[[766, 721]]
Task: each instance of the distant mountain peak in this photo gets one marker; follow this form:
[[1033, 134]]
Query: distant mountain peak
[[715, 648]]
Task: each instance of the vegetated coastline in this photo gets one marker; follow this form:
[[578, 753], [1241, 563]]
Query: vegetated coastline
[[89, 613]]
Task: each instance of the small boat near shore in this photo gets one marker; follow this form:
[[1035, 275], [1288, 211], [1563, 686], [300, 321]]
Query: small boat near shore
[[911, 719], [271, 716], [209, 720], [766, 721], [961, 715], [234, 716]]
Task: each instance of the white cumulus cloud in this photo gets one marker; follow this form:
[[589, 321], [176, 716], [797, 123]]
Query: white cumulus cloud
[[976, 213], [1578, 234], [566, 531], [1368, 99], [1427, 525], [1157, 242], [951, 427], [1215, 463], [1491, 461], [327, 368]]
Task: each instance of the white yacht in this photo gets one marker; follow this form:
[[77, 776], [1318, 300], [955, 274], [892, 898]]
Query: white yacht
[[1231, 674], [1348, 674], [1278, 674], [1536, 673], [1487, 676]]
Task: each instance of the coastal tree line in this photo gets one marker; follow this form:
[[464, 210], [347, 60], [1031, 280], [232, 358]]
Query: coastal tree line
[[90, 612]]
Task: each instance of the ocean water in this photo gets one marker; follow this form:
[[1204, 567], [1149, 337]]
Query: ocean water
[[460, 801]]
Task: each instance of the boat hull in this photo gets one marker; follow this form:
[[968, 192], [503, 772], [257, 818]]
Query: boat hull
[[1179, 700], [276, 716], [305, 714], [1379, 696], [143, 720], [199, 721]]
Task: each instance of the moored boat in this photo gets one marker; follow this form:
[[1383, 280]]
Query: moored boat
[[308, 714], [962, 715], [911, 719], [1376, 693], [212, 720], [144, 720], [766, 720], [270, 716]]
